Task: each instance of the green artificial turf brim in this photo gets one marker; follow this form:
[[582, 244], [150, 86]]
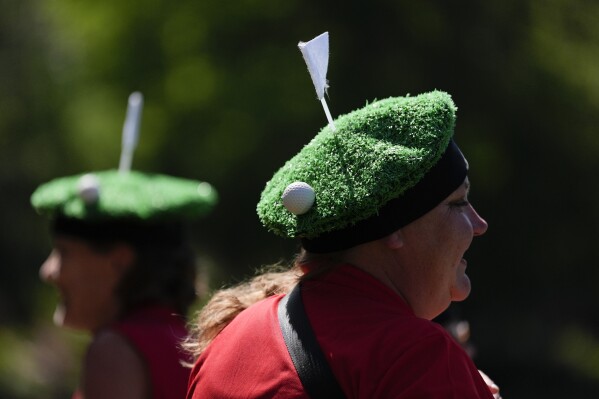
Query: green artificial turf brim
[[130, 195]]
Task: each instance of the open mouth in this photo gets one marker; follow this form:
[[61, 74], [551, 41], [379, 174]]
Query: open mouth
[[59, 314]]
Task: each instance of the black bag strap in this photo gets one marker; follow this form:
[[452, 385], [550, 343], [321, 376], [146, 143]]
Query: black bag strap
[[309, 361]]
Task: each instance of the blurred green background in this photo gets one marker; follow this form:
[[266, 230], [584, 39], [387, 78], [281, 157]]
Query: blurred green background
[[228, 99]]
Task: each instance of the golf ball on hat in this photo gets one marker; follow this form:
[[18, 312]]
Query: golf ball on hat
[[298, 197], [88, 187]]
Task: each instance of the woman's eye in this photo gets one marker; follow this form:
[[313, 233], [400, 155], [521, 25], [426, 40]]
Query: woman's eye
[[459, 204]]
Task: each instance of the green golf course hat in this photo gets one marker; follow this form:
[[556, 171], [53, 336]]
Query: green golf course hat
[[380, 168]]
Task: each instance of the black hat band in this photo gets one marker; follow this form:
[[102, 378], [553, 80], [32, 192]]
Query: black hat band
[[130, 231], [440, 181]]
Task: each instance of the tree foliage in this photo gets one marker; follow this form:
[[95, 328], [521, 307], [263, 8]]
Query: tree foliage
[[228, 100]]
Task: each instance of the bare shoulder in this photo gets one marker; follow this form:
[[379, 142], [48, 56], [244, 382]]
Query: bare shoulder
[[113, 369]]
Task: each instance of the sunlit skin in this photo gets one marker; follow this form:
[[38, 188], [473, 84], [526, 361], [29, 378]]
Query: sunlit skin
[[432, 253], [424, 261]]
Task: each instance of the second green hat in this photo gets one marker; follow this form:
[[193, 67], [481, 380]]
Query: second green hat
[[108, 195]]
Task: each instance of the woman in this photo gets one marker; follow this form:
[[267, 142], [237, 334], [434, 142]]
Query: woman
[[381, 207], [124, 267]]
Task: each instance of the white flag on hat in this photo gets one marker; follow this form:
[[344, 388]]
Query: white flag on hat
[[316, 55], [131, 130]]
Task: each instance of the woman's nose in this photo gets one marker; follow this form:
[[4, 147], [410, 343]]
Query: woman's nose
[[50, 268], [479, 225]]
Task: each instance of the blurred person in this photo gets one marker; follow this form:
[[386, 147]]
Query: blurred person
[[124, 266], [381, 206]]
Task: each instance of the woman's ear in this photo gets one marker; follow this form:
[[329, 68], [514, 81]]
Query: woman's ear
[[394, 240], [122, 257]]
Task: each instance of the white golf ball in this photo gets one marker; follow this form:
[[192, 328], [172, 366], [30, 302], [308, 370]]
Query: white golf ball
[[88, 188], [298, 197]]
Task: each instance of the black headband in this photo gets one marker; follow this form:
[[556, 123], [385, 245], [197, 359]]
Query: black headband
[[129, 231], [440, 181]]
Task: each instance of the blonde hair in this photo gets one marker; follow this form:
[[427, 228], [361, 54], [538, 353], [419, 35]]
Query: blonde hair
[[227, 303]]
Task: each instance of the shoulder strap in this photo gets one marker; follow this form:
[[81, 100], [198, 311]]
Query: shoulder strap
[[309, 361]]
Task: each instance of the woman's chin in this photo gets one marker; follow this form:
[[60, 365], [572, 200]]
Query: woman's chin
[[461, 289]]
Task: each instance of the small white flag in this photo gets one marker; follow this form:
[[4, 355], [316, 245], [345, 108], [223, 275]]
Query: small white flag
[[316, 55], [131, 130]]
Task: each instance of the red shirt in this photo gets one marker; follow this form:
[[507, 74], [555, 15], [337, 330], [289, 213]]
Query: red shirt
[[248, 359], [375, 345], [156, 333]]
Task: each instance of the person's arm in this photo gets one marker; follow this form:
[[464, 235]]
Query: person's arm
[[113, 369]]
